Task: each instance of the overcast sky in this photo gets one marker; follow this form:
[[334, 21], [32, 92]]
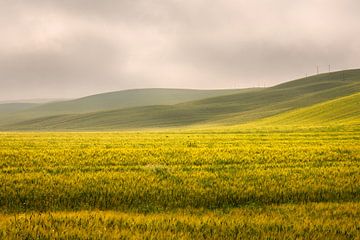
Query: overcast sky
[[72, 48]]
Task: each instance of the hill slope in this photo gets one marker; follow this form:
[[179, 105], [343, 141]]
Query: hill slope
[[344, 110], [6, 108], [111, 101], [224, 110], [131, 98]]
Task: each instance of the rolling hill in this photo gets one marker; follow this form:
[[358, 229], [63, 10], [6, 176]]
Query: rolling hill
[[111, 101], [344, 110], [130, 98], [14, 106], [6, 108], [238, 108]]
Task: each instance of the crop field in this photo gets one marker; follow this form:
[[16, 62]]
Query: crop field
[[181, 184]]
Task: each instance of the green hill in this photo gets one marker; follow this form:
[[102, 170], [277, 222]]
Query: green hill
[[344, 110], [111, 101], [6, 108], [232, 109], [130, 98]]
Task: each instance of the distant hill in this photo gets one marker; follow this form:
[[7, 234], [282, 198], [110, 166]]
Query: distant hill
[[6, 108], [34, 100], [132, 98], [111, 101], [242, 107]]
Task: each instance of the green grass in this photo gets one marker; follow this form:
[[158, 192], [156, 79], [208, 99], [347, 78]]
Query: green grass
[[341, 111]]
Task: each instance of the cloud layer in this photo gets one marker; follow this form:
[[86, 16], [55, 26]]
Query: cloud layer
[[72, 48]]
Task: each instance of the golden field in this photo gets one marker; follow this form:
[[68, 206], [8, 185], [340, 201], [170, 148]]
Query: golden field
[[181, 184]]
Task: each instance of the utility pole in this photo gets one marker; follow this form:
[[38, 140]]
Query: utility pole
[[329, 68], [317, 69]]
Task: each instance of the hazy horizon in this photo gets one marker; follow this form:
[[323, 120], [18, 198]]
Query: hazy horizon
[[74, 48]]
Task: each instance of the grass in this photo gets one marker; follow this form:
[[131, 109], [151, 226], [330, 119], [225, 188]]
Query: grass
[[341, 111], [180, 184], [288, 221]]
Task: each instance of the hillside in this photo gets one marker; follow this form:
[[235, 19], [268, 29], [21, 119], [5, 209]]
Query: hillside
[[344, 110], [130, 98], [6, 108], [111, 101], [232, 109]]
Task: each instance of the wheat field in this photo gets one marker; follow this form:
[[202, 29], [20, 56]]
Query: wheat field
[[181, 184]]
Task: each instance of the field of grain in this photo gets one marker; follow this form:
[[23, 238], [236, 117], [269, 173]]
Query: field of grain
[[181, 184]]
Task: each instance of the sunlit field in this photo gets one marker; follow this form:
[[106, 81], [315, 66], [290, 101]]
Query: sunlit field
[[181, 184]]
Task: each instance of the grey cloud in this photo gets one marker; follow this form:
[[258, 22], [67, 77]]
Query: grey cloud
[[83, 62], [265, 61], [142, 11], [70, 48]]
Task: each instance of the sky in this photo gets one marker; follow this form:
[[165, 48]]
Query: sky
[[74, 48]]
